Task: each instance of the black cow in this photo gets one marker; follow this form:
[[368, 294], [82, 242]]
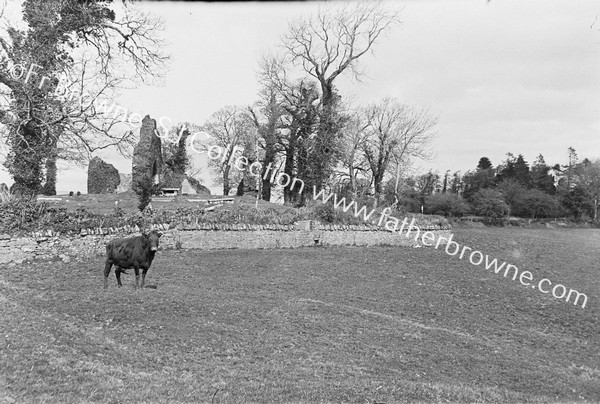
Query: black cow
[[133, 252]]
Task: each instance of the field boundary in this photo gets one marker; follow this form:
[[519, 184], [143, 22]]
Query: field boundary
[[91, 243]]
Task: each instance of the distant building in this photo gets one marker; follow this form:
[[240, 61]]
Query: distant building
[[169, 191]]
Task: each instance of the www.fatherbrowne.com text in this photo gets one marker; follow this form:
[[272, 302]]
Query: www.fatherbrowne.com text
[[452, 248]]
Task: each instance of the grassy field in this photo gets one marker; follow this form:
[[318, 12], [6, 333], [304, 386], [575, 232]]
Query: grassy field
[[360, 325]]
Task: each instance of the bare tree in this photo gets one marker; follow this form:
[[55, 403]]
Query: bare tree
[[299, 121], [326, 45], [352, 158], [332, 41], [394, 131], [269, 117], [230, 129]]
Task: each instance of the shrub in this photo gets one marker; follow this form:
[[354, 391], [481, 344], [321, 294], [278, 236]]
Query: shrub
[[144, 189], [489, 203], [446, 204], [513, 192], [538, 204], [409, 201], [325, 213], [21, 214], [578, 202]]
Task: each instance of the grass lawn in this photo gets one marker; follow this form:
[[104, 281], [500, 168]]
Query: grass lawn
[[360, 325]]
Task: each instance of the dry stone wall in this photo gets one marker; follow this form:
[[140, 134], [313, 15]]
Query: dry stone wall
[[91, 242]]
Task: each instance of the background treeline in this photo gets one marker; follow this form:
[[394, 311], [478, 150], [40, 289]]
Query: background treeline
[[513, 188]]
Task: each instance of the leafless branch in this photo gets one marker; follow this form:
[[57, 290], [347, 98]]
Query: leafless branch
[[332, 41]]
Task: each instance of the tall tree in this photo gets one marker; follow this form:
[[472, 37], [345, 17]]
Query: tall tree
[[588, 178], [425, 185], [506, 169], [482, 178], [540, 176], [567, 172], [352, 159], [394, 130], [229, 128], [445, 186], [484, 164], [456, 186], [299, 120], [267, 116], [522, 173], [327, 45]]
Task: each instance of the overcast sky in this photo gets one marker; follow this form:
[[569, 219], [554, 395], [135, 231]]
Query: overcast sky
[[520, 76]]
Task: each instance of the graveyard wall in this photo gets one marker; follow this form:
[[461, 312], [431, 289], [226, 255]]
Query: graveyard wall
[[91, 242]]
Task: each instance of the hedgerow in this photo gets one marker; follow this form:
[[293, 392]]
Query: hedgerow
[[18, 217]]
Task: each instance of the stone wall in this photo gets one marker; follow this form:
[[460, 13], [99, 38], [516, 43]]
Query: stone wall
[[91, 242]]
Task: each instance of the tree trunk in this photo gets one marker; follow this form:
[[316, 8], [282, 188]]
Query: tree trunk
[[352, 180], [226, 187], [288, 193], [266, 182], [377, 180], [25, 159], [50, 184], [396, 195]]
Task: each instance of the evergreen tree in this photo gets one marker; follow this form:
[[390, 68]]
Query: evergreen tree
[[484, 164], [540, 176], [506, 170], [522, 173], [456, 186], [481, 179]]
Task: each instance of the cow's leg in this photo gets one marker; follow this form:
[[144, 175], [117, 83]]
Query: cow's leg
[[144, 277], [107, 268], [118, 271], [137, 276]]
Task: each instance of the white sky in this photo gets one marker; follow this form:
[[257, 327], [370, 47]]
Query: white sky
[[520, 76]]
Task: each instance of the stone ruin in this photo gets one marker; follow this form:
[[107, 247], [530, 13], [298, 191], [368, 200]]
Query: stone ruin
[[103, 178], [147, 155], [147, 163], [199, 188]]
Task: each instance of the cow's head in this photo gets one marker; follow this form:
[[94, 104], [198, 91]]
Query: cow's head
[[153, 237]]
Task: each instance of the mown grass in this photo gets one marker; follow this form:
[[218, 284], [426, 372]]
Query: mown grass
[[360, 325]]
